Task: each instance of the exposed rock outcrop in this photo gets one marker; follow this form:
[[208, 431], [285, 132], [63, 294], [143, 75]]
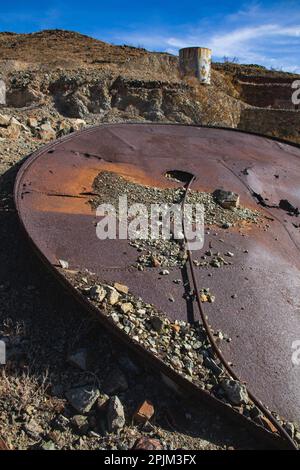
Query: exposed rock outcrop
[[73, 76]]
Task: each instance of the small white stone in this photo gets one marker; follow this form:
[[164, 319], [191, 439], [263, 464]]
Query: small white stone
[[64, 264]]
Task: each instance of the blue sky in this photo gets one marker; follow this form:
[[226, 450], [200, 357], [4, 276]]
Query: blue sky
[[264, 32]]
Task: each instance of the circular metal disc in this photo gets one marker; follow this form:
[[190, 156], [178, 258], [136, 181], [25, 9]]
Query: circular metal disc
[[257, 297]]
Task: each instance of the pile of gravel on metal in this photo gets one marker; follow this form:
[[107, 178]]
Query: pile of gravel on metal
[[109, 186]]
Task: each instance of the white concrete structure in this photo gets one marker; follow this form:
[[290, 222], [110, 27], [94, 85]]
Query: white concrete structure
[[2, 92], [196, 61]]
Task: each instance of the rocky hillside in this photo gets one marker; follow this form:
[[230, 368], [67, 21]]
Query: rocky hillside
[[53, 75]]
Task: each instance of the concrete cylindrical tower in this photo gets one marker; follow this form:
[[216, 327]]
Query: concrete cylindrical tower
[[196, 61], [2, 92]]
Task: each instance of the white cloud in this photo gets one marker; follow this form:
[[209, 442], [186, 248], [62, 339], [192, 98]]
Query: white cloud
[[253, 34]]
